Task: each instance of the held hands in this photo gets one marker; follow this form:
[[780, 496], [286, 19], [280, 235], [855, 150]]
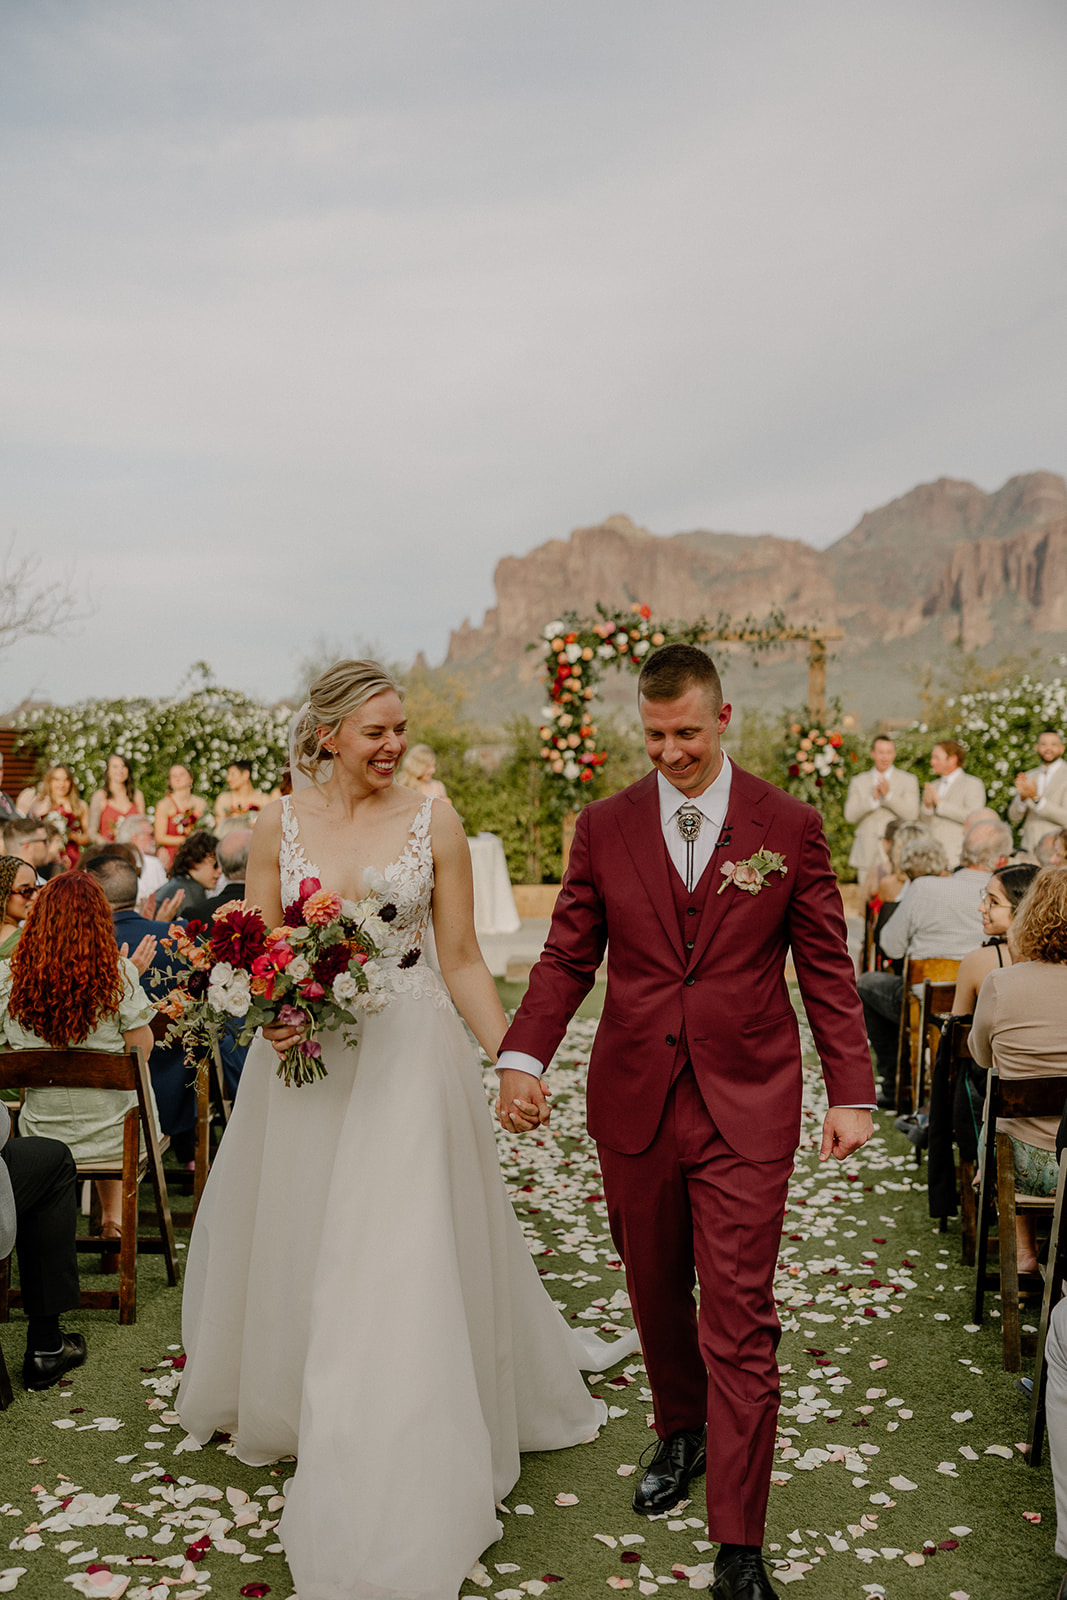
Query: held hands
[[930, 797], [880, 787], [843, 1131], [522, 1103], [1026, 786]]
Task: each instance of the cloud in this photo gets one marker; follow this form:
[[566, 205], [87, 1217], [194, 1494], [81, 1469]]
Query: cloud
[[315, 314]]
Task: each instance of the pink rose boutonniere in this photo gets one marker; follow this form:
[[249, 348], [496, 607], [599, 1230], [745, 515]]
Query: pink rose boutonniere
[[752, 874]]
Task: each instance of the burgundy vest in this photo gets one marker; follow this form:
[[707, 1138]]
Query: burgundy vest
[[689, 906]]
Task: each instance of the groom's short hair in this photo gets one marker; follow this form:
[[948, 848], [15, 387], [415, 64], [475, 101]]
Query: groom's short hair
[[672, 669]]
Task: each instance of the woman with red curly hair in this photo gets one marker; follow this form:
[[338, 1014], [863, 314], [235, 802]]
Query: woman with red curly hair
[[66, 986]]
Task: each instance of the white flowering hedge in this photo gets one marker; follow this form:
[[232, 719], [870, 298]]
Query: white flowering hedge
[[998, 728], [205, 730]]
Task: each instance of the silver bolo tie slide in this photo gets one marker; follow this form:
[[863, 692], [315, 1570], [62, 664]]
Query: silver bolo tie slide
[[690, 820]]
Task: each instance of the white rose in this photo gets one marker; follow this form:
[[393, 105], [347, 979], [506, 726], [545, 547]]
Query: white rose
[[345, 988], [298, 968], [238, 995], [221, 973], [216, 997], [571, 770]]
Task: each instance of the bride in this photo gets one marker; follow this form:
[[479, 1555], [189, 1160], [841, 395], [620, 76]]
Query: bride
[[358, 1291]]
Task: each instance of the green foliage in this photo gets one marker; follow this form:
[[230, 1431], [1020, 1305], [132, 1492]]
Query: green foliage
[[205, 729]]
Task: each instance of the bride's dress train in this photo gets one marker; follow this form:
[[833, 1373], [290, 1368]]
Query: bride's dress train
[[359, 1293]]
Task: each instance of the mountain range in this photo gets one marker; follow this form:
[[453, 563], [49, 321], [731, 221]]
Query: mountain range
[[945, 567]]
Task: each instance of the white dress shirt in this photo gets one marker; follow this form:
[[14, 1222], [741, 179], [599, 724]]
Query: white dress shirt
[[1044, 778], [713, 803]]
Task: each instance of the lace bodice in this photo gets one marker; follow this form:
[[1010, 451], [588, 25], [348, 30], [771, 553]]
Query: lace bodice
[[410, 879]]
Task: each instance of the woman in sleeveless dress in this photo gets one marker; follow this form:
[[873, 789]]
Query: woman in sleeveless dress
[[358, 1291]]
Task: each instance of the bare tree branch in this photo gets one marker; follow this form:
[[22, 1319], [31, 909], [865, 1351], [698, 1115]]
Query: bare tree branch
[[34, 608]]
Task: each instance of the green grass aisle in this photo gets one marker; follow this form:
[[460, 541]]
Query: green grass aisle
[[897, 1471]]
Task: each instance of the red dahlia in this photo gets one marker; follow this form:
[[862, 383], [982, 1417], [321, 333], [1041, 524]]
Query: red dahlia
[[238, 938]]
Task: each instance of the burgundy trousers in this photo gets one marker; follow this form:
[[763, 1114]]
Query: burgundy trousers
[[688, 1210]]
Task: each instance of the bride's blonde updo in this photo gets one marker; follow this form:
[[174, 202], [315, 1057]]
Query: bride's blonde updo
[[333, 696]]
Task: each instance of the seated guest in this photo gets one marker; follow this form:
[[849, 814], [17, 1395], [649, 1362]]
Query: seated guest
[[8, 808], [233, 848], [137, 831], [239, 799], [178, 813], [118, 797], [195, 872], [1020, 1027], [18, 885], [171, 1081], [1051, 849], [231, 853], [890, 883], [56, 859], [38, 1219], [937, 916], [1003, 894], [949, 799], [417, 772], [27, 838], [66, 987], [58, 800]]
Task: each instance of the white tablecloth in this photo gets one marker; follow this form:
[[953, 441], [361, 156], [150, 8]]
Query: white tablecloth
[[494, 903]]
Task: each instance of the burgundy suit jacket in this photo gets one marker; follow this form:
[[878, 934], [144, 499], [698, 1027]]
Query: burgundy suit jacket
[[729, 994]]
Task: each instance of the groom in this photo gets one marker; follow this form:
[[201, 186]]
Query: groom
[[694, 1091]]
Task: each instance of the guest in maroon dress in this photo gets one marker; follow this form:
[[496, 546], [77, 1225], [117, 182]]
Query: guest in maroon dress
[[58, 800]]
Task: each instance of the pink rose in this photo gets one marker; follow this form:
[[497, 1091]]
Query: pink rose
[[311, 990], [747, 877], [309, 886], [321, 908]]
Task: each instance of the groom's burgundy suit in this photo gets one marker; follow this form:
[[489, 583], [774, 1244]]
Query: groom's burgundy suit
[[694, 1093]]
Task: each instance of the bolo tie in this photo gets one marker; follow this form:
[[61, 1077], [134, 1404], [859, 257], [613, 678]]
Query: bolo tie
[[690, 820]]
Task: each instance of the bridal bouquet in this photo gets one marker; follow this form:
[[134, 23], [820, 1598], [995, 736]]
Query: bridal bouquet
[[318, 970]]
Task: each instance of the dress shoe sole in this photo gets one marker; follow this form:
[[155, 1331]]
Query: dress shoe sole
[[696, 1471]]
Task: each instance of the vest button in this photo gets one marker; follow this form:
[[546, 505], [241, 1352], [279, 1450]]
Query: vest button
[[671, 1039], [691, 911], [689, 982], [690, 944]]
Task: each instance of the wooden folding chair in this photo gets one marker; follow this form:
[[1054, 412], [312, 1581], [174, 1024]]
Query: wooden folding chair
[[938, 969], [936, 1003], [1055, 1275], [142, 1153], [1008, 1097]]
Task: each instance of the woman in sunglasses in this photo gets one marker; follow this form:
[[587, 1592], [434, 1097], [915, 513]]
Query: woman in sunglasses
[[18, 885]]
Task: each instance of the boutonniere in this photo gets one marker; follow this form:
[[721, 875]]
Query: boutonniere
[[752, 874]]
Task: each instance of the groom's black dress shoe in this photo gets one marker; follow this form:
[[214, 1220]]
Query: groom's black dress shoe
[[41, 1371], [742, 1577], [677, 1459]]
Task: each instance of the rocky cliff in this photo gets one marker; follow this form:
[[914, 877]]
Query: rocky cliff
[[945, 563]]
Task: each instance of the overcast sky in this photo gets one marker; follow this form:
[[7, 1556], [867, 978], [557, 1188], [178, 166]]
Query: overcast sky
[[311, 312]]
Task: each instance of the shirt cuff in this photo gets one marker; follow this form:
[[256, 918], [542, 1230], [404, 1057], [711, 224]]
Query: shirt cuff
[[519, 1061], [1038, 805], [854, 1108]]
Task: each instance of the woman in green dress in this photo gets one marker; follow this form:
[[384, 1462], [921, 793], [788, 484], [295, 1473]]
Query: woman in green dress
[[18, 885], [67, 987]]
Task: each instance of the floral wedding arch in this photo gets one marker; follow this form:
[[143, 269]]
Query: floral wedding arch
[[578, 650]]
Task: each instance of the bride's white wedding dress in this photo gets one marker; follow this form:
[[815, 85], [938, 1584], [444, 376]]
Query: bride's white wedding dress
[[359, 1292]]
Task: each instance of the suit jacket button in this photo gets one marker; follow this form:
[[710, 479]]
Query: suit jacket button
[[689, 982], [671, 1039]]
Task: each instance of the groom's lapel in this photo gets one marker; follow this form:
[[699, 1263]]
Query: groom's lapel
[[642, 836], [747, 819]]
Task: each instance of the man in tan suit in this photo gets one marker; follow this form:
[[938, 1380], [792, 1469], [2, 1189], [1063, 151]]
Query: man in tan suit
[[1040, 803], [876, 796], [950, 798]]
